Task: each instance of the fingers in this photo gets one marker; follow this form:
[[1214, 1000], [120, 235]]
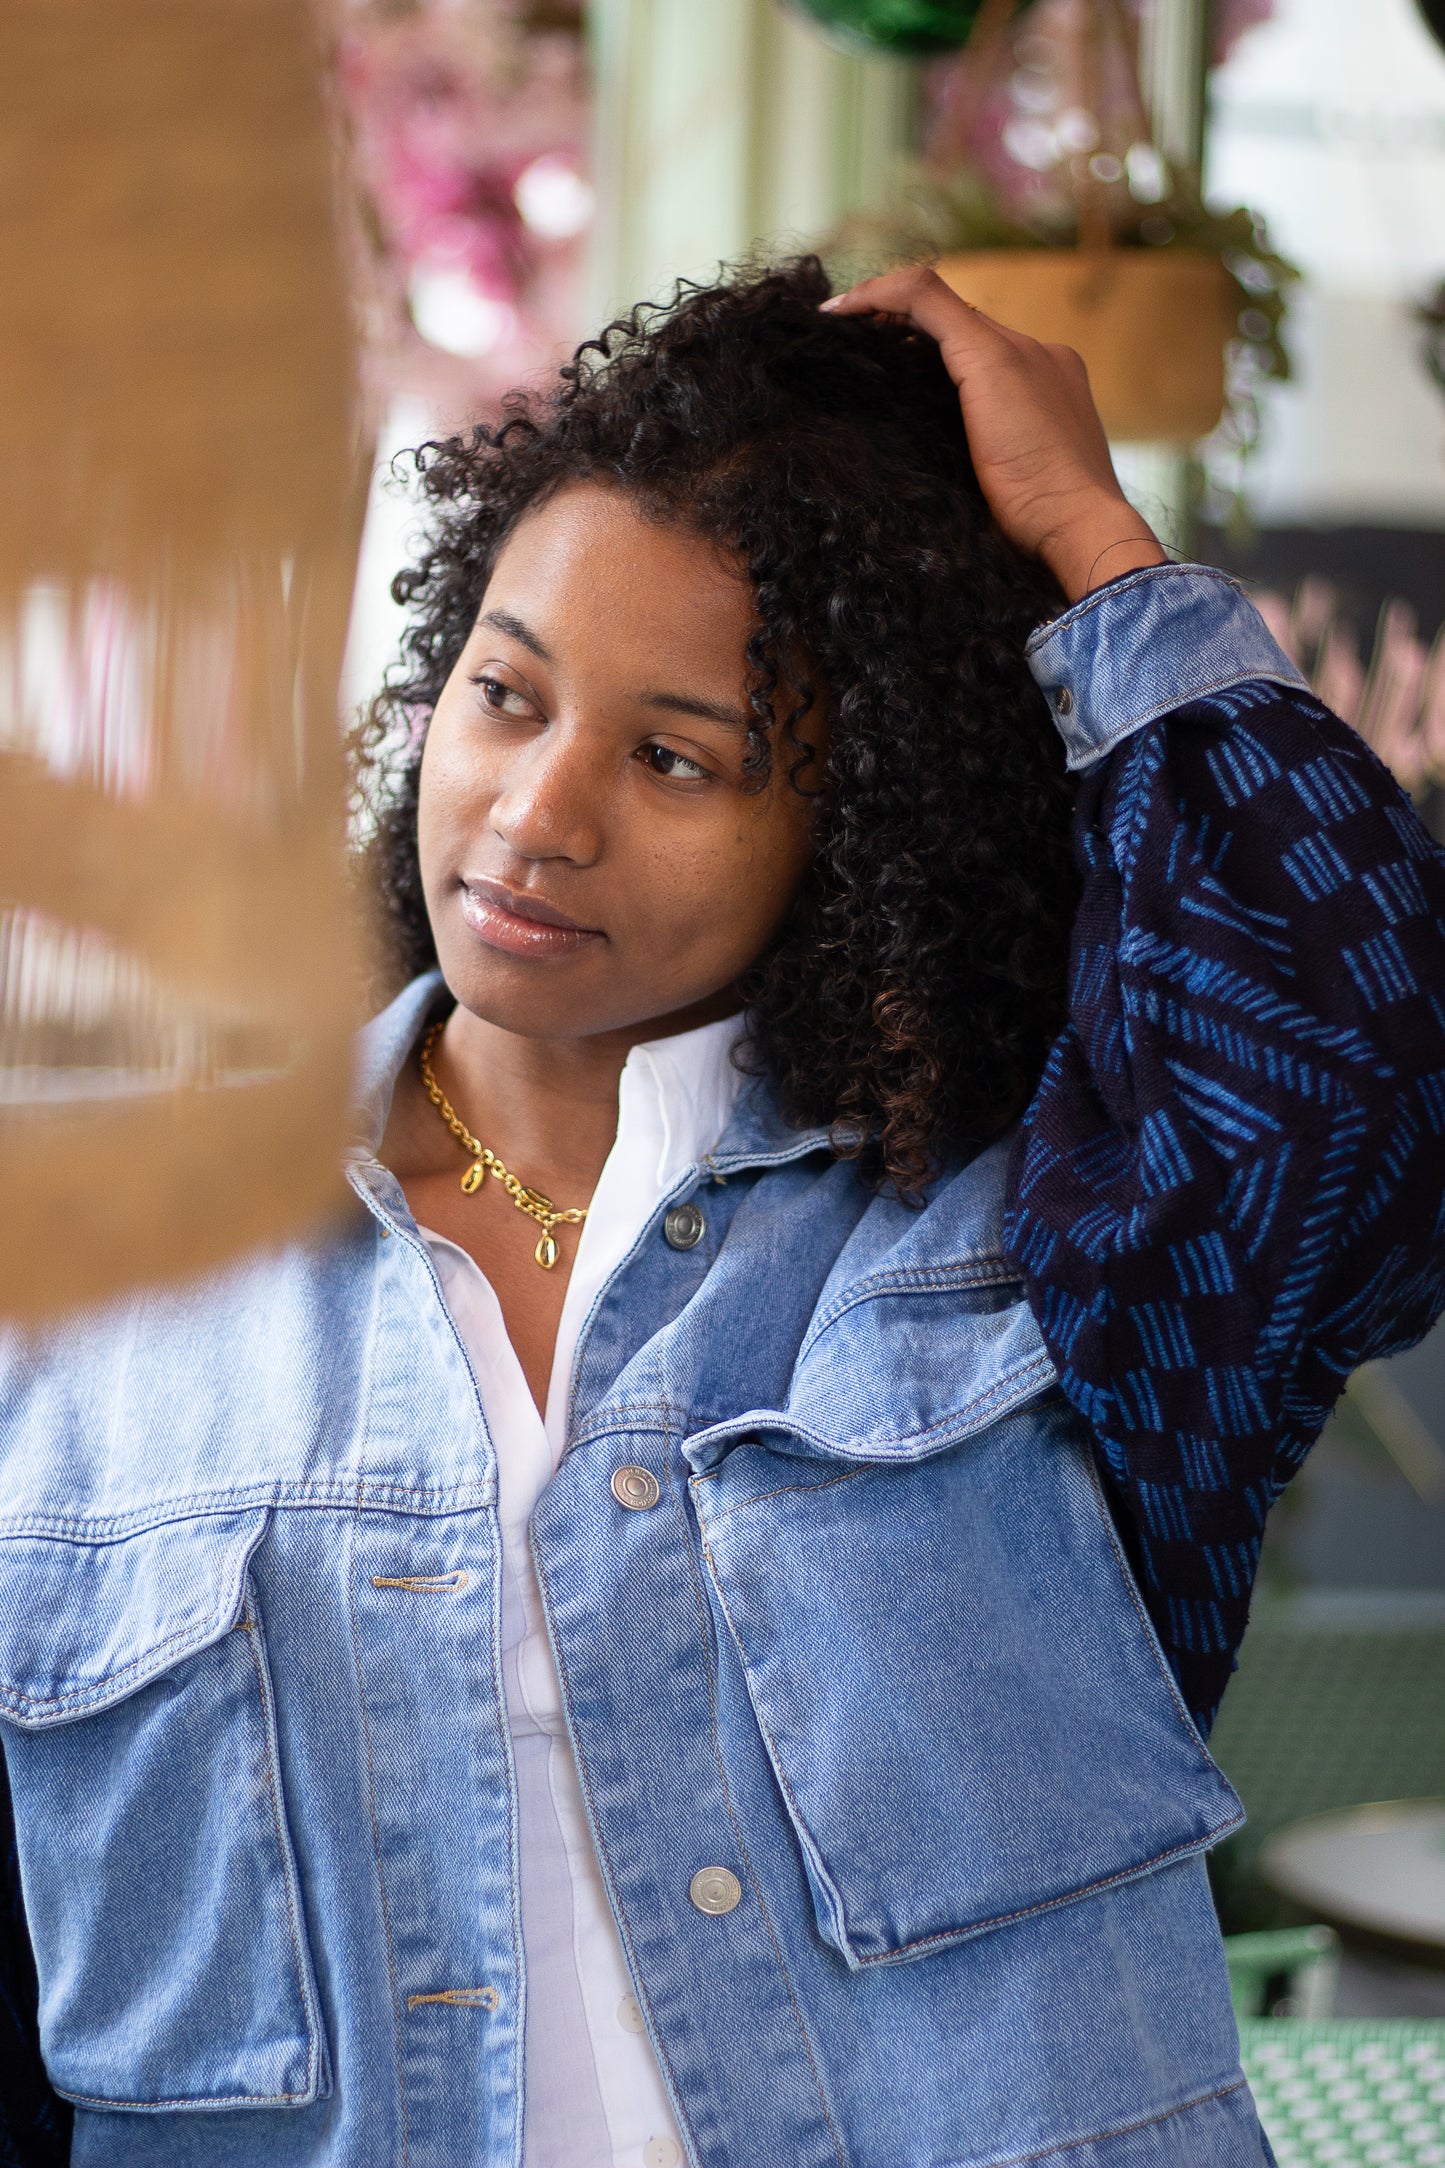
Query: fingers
[[920, 297]]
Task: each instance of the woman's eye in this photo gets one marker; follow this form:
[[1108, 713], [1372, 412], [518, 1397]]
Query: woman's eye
[[502, 699], [664, 761]]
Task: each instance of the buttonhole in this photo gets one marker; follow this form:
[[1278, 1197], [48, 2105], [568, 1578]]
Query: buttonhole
[[460, 1998], [441, 1584]]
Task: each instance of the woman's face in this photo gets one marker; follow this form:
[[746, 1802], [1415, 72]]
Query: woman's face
[[590, 858]]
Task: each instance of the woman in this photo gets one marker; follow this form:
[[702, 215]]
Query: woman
[[626, 1653]]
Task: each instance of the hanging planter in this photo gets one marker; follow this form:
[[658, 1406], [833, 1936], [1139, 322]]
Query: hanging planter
[[911, 29], [1056, 213], [1151, 325]]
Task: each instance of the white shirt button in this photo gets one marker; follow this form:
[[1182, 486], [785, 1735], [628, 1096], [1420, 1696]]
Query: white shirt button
[[629, 2015], [661, 2153]]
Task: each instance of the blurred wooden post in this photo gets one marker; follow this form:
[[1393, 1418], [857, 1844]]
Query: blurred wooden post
[[177, 552]]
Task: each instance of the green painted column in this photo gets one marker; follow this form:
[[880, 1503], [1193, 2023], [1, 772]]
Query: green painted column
[[725, 124]]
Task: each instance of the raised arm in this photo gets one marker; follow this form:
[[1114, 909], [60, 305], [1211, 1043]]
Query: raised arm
[[1229, 1189]]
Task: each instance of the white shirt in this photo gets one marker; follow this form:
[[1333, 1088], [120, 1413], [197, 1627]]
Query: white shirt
[[595, 2096]]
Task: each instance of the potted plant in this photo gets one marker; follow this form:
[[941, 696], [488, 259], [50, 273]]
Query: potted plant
[[1044, 201]]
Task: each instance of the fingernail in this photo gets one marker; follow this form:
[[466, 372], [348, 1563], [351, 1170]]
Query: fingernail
[[831, 304]]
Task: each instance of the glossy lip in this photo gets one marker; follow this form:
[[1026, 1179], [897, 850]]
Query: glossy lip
[[518, 924]]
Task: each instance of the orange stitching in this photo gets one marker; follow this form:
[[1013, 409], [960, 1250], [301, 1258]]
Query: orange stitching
[[462, 1998], [423, 1584]]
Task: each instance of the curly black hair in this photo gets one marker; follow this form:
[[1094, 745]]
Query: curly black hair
[[910, 997]]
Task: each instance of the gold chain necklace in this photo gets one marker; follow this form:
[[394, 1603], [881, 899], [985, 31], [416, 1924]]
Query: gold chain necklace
[[531, 1201]]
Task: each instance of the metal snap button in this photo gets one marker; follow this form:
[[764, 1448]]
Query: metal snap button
[[1063, 701], [684, 1227], [636, 1488], [715, 1890]]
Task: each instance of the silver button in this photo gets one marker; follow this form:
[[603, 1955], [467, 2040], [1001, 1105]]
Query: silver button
[[715, 1890], [636, 1488], [684, 1227], [1063, 701]]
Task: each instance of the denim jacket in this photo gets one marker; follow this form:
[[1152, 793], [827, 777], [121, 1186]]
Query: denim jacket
[[901, 1808]]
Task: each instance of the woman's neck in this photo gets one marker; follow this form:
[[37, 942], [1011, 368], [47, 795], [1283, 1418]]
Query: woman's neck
[[546, 1107]]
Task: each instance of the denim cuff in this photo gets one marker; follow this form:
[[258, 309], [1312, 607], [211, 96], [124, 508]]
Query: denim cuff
[[1145, 645]]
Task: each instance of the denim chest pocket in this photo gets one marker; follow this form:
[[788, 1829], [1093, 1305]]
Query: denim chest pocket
[[967, 1713], [158, 1875]]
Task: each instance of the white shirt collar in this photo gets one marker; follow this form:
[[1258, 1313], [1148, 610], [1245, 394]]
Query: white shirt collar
[[681, 1092]]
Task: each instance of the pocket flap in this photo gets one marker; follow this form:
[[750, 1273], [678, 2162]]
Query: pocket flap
[[84, 1623], [869, 1387]]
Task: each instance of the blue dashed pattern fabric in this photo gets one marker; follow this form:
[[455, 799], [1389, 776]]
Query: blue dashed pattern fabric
[[1230, 1187]]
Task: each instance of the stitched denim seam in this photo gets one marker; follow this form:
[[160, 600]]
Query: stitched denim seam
[[239, 2100], [1052, 1904], [774, 1757], [207, 1505], [376, 1841], [600, 1839], [1122, 2130], [1133, 1594], [786, 1490], [1084, 754], [220, 2100], [312, 2015], [1078, 611], [193, 1638], [915, 1279], [599, 1835], [886, 1452], [700, 1598]]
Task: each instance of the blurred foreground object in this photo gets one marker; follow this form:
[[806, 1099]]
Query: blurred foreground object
[[176, 563], [467, 123]]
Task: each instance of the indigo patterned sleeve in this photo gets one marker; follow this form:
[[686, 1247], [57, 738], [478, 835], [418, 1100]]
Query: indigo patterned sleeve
[[1228, 1188], [34, 2122]]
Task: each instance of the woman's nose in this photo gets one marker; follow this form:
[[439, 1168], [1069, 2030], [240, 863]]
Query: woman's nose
[[552, 799]]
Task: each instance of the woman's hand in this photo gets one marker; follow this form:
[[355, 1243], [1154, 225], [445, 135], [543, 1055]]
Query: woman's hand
[[1038, 445]]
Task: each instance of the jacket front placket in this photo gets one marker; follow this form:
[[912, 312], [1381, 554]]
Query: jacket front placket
[[635, 1641]]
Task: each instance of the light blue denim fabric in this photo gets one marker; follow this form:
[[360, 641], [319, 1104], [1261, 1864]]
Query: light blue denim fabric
[[876, 1651], [1112, 663]]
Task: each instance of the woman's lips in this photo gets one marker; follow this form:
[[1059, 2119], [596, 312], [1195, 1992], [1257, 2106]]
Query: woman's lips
[[518, 924]]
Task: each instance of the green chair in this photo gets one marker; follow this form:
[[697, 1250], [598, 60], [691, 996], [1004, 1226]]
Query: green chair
[[1289, 1972], [1354, 2093], [1337, 1703]]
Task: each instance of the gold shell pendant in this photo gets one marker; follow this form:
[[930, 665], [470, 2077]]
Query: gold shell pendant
[[546, 1252], [473, 1178]]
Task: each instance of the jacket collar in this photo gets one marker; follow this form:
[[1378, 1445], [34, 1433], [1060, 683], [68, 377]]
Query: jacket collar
[[758, 1135]]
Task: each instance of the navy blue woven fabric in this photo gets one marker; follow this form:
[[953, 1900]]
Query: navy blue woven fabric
[[1230, 1187]]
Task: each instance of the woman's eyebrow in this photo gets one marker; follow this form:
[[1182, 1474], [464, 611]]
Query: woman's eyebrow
[[715, 711], [503, 621]]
